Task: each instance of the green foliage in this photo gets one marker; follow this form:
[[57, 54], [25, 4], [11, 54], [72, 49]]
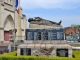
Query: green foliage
[[75, 27], [76, 53], [12, 56], [37, 58]]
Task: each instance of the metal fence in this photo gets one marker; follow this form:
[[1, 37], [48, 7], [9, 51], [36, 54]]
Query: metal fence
[[73, 38]]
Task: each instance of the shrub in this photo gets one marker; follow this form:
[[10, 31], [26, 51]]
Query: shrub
[[31, 58], [10, 54]]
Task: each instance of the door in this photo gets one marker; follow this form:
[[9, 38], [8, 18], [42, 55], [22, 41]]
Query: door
[[6, 35]]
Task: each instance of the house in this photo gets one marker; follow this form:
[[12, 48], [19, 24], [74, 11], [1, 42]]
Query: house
[[69, 30]]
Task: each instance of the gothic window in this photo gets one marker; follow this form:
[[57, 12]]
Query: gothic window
[[6, 1], [11, 2]]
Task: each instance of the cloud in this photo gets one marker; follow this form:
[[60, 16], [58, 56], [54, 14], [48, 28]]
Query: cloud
[[50, 4]]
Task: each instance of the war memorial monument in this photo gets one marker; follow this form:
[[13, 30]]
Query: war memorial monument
[[45, 41]]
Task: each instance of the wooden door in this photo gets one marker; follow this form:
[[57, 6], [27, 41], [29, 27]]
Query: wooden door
[[6, 35]]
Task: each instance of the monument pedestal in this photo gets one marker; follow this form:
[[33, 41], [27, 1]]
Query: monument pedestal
[[62, 50]]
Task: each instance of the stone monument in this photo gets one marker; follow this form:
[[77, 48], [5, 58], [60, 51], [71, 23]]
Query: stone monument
[[38, 22], [41, 21], [45, 38], [45, 42]]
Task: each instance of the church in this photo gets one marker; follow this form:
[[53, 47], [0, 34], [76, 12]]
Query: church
[[12, 24]]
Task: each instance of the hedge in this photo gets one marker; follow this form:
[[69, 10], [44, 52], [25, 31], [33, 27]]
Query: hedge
[[37, 58], [12, 56]]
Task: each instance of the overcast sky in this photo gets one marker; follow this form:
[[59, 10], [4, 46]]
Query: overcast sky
[[55, 10]]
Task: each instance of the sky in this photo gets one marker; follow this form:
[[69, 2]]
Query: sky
[[54, 10]]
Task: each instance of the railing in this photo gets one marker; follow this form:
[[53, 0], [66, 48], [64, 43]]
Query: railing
[[73, 38]]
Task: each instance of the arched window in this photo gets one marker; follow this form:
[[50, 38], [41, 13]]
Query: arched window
[[11, 2], [6, 1]]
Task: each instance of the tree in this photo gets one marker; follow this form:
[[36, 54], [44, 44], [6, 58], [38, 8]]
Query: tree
[[75, 27]]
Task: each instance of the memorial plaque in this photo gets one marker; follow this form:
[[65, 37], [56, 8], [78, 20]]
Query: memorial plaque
[[45, 34], [62, 52], [25, 51]]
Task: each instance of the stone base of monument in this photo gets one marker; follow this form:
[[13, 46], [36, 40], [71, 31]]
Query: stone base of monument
[[62, 50]]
